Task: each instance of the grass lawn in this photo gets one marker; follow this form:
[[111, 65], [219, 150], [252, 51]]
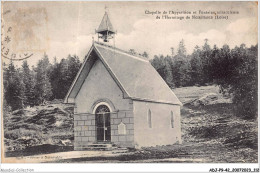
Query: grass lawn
[[210, 134]]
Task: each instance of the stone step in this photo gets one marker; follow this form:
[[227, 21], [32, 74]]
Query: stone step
[[119, 150], [103, 142], [105, 146], [98, 146]]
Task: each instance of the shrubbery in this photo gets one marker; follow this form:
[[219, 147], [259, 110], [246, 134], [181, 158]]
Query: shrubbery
[[233, 70]]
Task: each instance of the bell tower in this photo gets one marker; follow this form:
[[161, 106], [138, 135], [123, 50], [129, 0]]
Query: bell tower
[[105, 30]]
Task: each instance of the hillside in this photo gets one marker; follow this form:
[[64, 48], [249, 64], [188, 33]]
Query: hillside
[[51, 124], [210, 133], [226, 138]]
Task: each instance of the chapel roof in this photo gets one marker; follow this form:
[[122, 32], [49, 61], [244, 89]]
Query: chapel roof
[[134, 74], [105, 24]]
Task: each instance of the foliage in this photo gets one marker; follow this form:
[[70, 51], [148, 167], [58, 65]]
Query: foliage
[[13, 87], [29, 87], [234, 70], [63, 74], [196, 67], [175, 70], [43, 90], [145, 54], [29, 84]]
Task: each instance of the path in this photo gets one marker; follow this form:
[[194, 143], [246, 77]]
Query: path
[[58, 156]]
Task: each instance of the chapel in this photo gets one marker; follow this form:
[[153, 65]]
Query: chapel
[[120, 100]]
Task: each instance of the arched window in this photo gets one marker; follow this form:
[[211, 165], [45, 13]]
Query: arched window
[[149, 118], [172, 120], [102, 109]]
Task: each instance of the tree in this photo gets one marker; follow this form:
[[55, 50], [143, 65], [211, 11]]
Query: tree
[[172, 52], [31, 97], [181, 67], [74, 66], [63, 74], [43, 85], [185, 73], [159, 64], [181, 49], [63, 78], [168, 71], [29, 84], [205, 58], [145, 54], [55, 76], [196, 67], [235, 71], [13, 87], [132, 51]]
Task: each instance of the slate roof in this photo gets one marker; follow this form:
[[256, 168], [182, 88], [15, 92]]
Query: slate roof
[[134, 74], [105, 24]]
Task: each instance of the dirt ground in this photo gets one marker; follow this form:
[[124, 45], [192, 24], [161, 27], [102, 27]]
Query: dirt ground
[[210, 133]]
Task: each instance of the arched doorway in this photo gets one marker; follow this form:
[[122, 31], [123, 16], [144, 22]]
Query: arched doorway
[[102, 114]]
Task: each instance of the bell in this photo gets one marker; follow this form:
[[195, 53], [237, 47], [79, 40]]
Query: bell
[[105, 29], [105, 38]]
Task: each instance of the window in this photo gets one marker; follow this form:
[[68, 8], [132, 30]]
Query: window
[[172, 120], [149, 118]]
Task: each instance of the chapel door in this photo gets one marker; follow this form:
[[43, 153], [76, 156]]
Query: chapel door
[[103, 124]]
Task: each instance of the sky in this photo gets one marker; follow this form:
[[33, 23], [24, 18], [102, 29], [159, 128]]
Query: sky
[[62, 28]]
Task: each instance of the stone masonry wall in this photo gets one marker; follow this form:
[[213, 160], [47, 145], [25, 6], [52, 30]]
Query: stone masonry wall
[[122, 140], [85, 129]]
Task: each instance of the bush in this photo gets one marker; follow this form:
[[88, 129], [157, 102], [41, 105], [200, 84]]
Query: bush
[[235, 71]]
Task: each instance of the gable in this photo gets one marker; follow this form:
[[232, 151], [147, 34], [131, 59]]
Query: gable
[[135, 76], [76, 86], [99, 84]]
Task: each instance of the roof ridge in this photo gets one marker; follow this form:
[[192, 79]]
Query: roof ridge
[[142, 83], [123, 51]]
